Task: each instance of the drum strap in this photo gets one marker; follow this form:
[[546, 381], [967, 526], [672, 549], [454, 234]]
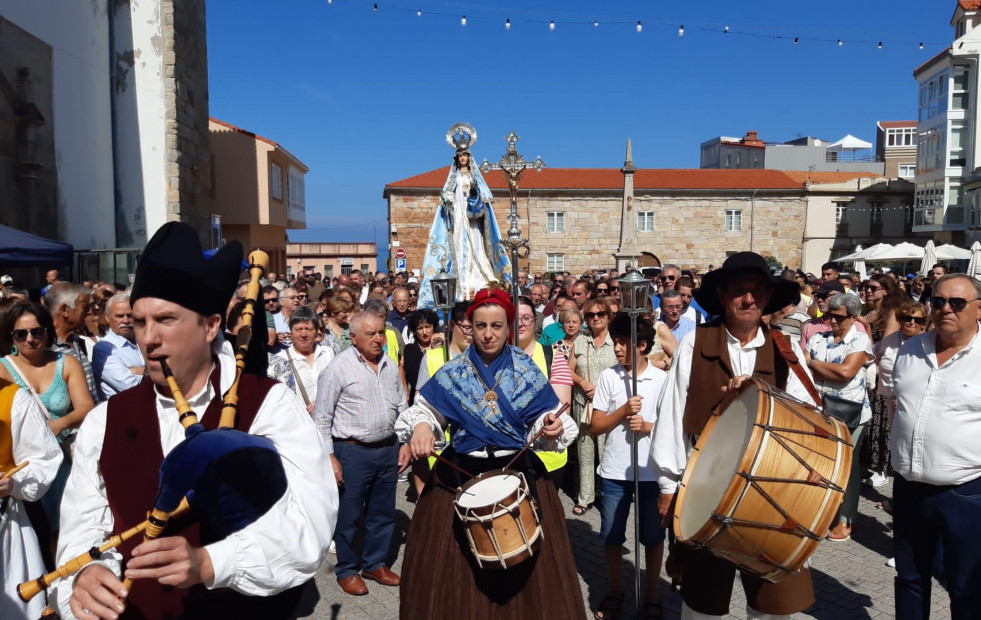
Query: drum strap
[[782, 345]]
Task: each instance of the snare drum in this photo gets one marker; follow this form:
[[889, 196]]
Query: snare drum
[[500, 518], [764, 482]]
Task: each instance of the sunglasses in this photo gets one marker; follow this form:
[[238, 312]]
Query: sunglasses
[[838, 317], [20, 335], [602, 290], [873, 289], [820, 296], [670, 277], [956, 303], [592, 315], [274, 300], [905, 318]]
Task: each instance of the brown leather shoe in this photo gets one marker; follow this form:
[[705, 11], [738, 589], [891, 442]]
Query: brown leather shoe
[[353, 585], [383, 575]]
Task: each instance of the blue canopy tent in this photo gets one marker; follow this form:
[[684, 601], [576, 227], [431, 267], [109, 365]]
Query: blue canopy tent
[[21, 249]]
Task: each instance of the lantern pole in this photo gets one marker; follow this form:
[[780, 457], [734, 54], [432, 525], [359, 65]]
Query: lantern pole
[[635, 289]]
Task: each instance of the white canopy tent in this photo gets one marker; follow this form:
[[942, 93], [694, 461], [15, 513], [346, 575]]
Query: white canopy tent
[[850, 143]]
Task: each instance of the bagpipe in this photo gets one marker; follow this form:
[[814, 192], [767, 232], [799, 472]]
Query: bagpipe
[[225, 478]]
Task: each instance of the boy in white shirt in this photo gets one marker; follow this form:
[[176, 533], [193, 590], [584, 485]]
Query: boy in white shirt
[[619, 416]]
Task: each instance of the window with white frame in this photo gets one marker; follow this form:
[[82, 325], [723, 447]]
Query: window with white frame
[[555, 222], [555, 262], [734, 220], [276, 181], [901, 136], [907, 171], [645, 221], [841, 213], [297, 197], [875, 216]]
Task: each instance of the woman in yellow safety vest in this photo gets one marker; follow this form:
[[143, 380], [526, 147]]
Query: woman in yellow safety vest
[[554, 461], [461, 336]]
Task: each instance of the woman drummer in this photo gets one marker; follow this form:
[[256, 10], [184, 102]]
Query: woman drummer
[[495, 398]]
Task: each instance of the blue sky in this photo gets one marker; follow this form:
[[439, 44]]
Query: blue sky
[[365, 97]]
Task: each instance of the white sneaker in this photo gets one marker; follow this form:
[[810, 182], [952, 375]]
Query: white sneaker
[[333, 548], [879, 480], [891, 562]]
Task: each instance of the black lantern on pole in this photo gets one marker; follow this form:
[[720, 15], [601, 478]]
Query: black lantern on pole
[[444, 297], [635, 292]]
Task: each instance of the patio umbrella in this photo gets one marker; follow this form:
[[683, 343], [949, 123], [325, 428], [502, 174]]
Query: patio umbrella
[[929, 258], [952, 252], [902, 251], [974, 267], [860, 264], [866, 254]]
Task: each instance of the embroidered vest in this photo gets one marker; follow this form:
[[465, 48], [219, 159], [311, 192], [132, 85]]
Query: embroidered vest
[[130, 464], [711, 370]]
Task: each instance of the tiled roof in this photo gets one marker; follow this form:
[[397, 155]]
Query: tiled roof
[[612, 178], [801, 176], [932, 60], [970, 5], [246, 132], [898, 124]]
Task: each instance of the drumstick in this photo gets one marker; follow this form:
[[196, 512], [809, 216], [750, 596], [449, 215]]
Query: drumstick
[[449, 463], [535, 438], [14, 470]]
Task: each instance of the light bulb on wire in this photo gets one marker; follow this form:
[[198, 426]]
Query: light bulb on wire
[[463, 20], [796, 39], [681, 30], [419, 12], [507, 24], [375, 8], [880, 45], [839, 43], [640, 27], [596, 24], [726, 30], [921, 46], [551, 26]]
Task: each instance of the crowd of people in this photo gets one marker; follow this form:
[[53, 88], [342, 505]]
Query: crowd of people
[[389, 386]]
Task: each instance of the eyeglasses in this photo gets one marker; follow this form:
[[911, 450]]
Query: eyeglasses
[[602, 290], [303, 297], [872, 289], [821, 295], [526, 320], [592, 315], [272, 300], [906, 318], [669, 277], [956, 303], [20, 335], [466, 329], [290, 297], [838, 317]]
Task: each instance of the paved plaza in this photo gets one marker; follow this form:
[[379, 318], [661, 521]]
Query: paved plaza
[[851, 579]]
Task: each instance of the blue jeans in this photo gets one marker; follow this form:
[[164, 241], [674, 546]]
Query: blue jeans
[[614, 506], [924, 514], [370, 476]]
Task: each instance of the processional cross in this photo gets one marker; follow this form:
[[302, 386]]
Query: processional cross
[[512, 164]]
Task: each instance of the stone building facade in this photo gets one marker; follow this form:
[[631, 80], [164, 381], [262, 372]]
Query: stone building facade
[[576, 219]]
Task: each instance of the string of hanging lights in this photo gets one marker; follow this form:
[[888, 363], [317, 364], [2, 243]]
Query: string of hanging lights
[[552, 24]]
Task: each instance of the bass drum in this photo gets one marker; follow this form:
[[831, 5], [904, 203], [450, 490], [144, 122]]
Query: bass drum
[[764, 482]]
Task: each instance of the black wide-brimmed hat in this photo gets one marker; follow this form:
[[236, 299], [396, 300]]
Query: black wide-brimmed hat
[[174, 268], [785, 292]]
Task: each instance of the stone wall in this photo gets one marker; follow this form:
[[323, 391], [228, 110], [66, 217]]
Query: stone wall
[[688, 228], [188, 167]]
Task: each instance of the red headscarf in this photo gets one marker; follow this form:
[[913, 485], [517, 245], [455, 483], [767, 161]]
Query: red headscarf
[[492, 296]]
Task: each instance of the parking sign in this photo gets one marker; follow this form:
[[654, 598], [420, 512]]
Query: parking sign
[[399, 264]]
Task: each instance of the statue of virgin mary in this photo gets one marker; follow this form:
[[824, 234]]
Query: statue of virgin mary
[[464, 237]]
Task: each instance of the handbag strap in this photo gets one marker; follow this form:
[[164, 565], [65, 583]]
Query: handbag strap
[[783, 346], [299, 382], [30, 388]]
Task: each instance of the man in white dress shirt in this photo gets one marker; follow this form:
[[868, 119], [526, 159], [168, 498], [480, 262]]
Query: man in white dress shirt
[[178, 298], [936, 453], [722, 355], [116, 360]]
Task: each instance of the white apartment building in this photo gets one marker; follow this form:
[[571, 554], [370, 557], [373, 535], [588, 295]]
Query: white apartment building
[[946, 200]]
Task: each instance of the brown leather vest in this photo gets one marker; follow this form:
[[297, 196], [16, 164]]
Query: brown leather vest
[[130, 464], [711, 370]]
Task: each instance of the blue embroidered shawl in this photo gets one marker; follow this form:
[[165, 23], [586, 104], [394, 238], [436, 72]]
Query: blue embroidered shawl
[[523, 395]]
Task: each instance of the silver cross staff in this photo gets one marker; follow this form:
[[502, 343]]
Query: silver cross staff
[[512, 164]]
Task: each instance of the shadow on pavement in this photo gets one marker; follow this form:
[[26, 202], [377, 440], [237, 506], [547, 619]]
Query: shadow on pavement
[[834, 596]]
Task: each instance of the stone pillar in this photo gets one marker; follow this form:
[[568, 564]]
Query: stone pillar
[[188, 160], [627, 251]]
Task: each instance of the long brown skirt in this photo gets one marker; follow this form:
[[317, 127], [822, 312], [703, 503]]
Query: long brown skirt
[[440, 580]]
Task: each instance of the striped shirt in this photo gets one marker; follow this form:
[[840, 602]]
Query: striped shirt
[[355, 403]]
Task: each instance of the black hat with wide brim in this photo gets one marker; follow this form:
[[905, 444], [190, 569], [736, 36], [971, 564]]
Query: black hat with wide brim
[[174, 268], [785, 292]]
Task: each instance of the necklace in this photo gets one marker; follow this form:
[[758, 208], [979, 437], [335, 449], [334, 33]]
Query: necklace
[[490, 396]]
